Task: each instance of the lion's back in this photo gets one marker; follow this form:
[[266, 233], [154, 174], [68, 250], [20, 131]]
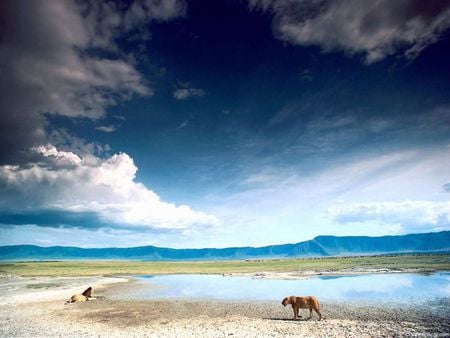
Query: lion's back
[[77, 298], [313, 302]]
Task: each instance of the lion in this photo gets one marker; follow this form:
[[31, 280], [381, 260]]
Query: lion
[[307, 302], [85, 296]]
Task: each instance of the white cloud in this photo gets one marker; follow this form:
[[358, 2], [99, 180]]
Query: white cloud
[[292, 204], [58, 157], [107, 129], [48, 63], [70, 143], [141, 11], [413, 215], [107, 187], [375, 29], [186, 93]]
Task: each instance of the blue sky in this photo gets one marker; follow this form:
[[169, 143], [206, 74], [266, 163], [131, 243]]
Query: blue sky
[[222, 123]]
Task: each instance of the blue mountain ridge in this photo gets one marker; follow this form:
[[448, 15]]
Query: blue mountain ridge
[[321, 246]]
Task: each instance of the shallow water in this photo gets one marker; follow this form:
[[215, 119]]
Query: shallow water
[[378, 287]]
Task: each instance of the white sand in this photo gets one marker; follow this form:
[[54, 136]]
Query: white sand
[[17, 290]]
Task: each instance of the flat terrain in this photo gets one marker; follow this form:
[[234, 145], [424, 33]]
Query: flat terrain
[[36, 307], [370, 264], [33, 301]]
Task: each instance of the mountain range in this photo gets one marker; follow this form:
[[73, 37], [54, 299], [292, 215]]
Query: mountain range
[[320, 246]]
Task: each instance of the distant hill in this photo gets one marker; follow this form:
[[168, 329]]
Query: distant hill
[[320, 246]]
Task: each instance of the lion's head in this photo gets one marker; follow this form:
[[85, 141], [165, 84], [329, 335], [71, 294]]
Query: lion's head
[[87, 292]]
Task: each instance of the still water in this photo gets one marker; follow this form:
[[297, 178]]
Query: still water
[[380, 287]]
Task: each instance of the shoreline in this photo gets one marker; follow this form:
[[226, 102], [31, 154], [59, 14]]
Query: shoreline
[[35, 306], [17, 289], [269, 274], [307, 274]]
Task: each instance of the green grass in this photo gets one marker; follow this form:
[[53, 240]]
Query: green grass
[[424, 263]]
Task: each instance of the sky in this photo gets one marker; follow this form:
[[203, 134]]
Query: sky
[[197, 123]]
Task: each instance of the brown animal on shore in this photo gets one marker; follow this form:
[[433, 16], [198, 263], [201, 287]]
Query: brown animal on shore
[[85, 296], [308, 302]]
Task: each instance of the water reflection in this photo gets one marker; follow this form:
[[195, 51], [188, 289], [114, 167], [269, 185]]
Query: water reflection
[[383, 287]]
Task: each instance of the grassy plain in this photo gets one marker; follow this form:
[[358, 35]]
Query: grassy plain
[[420, 263]]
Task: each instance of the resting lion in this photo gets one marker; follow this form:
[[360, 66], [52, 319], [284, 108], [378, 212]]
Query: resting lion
[[85, 296], [308, 302]]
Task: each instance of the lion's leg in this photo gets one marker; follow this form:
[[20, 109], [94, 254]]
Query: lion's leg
[[298, 313], [318, 312], [295, 309], [310, 313]]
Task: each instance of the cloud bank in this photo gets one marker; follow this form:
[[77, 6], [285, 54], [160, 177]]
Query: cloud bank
[[397, 193], [64, 181], [413, 215], [374, 29]]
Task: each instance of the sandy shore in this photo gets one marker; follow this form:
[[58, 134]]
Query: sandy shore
[[36, 307], [305, 274]]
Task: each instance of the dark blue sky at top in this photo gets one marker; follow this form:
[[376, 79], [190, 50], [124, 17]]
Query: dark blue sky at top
[[249, 77]]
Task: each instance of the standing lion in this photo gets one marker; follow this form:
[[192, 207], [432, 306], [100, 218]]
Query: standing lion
[[308, 302]]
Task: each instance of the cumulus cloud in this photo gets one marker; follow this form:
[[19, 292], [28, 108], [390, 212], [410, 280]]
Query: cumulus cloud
[[186, 93], [66, 141], [415, 215], [374, 29], [107, 188], [61, 57]]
